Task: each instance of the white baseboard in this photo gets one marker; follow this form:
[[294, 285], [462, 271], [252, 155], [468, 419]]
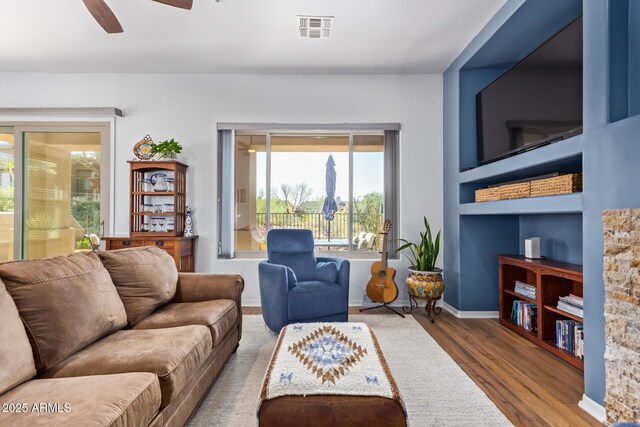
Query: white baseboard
[[358, 303], [470, 314], [593, 408], [353, 303]]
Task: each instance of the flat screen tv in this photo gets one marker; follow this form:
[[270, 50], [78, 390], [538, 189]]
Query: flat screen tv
[[536, 102]]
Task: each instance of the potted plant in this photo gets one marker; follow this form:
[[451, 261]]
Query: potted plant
[[425, 279], [168, 149]]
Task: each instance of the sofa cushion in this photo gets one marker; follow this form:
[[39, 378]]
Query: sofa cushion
[[326, 272], [174, 354], [316, 298], [16, 358], [105, 400], [220, 316], [146, 278], [66, 303]]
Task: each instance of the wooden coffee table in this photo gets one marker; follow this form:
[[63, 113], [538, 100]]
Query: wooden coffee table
[[329, 374]]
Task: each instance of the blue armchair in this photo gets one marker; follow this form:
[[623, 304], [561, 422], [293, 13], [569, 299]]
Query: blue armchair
[[295, 286]]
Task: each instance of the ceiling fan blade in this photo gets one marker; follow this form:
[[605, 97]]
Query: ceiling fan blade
[[182, 4], [103, 15]]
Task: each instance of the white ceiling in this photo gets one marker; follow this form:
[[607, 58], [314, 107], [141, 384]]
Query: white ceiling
[[240, 36]]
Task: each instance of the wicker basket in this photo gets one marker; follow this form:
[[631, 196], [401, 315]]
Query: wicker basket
[[515, 191], [563, 184], [487, 194]]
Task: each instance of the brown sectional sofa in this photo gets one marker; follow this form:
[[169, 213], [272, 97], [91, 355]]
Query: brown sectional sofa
[[116, 338]]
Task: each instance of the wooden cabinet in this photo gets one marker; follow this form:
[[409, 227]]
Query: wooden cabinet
[[149, 226], [552, 280], [165, 201], [182, 249]]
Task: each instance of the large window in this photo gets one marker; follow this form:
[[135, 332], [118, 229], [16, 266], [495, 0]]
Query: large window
[[53, 188], [338, 184]]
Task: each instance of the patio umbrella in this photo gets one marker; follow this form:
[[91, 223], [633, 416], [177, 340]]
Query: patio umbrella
[[330, 206]]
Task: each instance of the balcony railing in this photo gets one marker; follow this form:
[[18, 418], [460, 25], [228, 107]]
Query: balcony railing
[[317, 223]]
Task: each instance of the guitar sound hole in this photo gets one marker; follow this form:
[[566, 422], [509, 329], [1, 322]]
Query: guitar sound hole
[[382, 274]]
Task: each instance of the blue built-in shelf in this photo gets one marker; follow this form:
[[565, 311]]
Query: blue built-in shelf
[[530, 24], [607, 154], [567, 203], [559, 155], [474, 232]]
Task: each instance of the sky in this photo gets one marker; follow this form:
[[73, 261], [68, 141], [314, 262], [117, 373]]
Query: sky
[[294, 168]]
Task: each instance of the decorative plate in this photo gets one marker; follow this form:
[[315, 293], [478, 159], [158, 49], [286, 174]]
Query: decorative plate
[[142, 149]]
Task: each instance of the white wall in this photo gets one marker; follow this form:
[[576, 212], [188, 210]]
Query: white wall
[[188, 107]]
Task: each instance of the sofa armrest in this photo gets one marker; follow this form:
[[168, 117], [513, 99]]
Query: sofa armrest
[[344, 268], [196, 287]]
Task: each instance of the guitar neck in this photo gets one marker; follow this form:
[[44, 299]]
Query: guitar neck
[[383, 258]]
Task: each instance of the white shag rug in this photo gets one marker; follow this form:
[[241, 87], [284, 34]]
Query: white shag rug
[[436, 391]]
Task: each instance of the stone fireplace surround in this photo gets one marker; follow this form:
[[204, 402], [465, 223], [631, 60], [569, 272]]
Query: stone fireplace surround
[[622, 313]]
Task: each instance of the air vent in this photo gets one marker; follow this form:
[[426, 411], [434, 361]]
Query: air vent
[[315, 27]]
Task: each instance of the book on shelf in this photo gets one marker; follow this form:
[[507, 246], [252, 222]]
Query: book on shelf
[[572, 304], [570, 337], [525, 314], [525, 290], [573, 300], [579, 349]]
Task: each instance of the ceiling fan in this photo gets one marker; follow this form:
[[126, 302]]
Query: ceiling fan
[[107, 20]]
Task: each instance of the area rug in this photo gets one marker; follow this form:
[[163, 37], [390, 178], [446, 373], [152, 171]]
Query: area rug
[[436, 391]]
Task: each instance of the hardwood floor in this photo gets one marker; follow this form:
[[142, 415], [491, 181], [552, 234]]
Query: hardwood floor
[[529, 385]]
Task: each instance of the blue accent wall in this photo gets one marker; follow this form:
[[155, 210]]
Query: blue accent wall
[[471, 82], [485, 236], [560, 235], [608, 150]]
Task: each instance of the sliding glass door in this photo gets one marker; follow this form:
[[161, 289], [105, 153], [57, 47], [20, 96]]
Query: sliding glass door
[[7, 194], [54, 188], [61, 192]]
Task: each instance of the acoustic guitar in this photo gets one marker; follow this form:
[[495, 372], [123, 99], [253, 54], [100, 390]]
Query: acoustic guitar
[[382, 287]]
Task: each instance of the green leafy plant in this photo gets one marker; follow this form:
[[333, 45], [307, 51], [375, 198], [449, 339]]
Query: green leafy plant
[[9, 166], [6, 199], [424, 253], [86, 210], [164, 149], [83, 243], [368, 211]]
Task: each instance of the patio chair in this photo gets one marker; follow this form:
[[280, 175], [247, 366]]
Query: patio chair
[[370, 241]]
